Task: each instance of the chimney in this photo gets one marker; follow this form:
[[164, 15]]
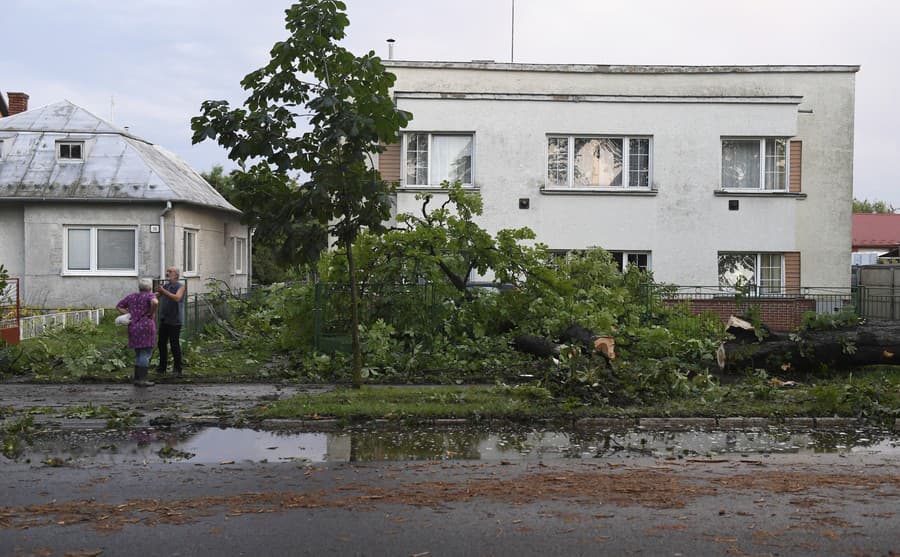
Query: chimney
[[390, 43], [18, 102]]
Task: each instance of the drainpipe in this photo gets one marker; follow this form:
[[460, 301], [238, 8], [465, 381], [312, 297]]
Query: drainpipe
[[162, 241], [252, 231]]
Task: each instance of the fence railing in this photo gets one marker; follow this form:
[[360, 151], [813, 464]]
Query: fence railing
[[827, 299], [37, 325]]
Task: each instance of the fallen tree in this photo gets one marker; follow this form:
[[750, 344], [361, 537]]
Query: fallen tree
[[574, 335], [873, 342]]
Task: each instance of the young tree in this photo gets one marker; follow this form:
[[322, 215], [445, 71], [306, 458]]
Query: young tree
[[350, 114]]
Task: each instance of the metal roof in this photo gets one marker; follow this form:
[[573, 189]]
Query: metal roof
[[116, 165], [876, 230]]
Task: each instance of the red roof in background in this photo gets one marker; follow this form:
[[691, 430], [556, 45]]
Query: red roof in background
[[876, 230]]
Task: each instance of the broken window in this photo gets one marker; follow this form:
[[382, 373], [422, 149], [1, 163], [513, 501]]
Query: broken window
[[598, 162], [754, 164], [628, 259], [432, 159], [760, 273]]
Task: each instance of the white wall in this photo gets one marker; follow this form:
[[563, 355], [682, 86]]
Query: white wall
[[684, 225]]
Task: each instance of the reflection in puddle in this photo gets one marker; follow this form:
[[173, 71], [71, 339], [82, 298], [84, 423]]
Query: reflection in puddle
[[214, 445]]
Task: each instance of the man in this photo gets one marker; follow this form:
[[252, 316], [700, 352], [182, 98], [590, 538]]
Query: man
[[171, 316]]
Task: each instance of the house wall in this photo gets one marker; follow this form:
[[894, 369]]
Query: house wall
[[215, 245], [12, 239], [685, 224], [43, 225], [44, 284]]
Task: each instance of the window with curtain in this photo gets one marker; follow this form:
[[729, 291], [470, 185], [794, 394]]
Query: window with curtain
[[101, 250], [189, 252], [759, 164], [431, 159]]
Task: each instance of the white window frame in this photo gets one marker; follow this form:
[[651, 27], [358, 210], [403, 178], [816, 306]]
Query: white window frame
[[431, 184], [625, 254], [762, 164], [240, 255], [570, 165], [195, 234], [757, 273], [59, 145], [94, 271]]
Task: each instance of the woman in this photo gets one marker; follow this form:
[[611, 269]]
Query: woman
[[142, 329]]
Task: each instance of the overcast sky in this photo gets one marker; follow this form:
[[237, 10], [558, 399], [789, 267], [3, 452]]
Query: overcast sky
[[159, 59]]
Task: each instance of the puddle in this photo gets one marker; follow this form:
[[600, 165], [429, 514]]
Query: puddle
[[215, 446]]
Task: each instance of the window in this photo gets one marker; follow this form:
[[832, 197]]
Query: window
[[434, 158], [100, 250], [598, 162], [240, 251], [189, 260], [70, 150], [762, 273], [754, 164], [628, 259]]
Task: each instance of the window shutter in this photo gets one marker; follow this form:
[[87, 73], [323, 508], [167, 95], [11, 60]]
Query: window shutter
[[389, 163], [796, 166], [792, 272]]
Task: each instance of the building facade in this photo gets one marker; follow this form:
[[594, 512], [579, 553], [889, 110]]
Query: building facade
[[86, 208], [704, 175]]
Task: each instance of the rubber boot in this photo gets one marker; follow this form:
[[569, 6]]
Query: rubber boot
[[140, 377]]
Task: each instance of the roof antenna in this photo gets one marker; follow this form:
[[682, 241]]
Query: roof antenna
[[390, 43], [512, 34], [112, 109]]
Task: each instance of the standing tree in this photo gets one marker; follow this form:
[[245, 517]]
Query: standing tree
[[346, 99]]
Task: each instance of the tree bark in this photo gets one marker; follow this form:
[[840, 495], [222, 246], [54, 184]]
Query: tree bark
[[354, 318], [874, 342]]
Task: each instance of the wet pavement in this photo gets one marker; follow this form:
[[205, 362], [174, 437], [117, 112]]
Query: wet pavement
[[186, 402], [606, 487]]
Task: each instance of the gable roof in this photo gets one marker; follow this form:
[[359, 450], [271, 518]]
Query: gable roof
[[876, 230], [117, 165]]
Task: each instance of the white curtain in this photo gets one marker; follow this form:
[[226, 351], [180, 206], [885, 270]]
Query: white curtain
[[451, 159], [740, 164]]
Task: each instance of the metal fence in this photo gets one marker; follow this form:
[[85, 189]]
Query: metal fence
[[827, 299]]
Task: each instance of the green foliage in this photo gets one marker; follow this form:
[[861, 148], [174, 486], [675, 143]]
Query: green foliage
[[866, 206], [351, 116], [812, 321], [16, 435], [269, 264]]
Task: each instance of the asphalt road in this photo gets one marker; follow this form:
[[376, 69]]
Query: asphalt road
[[779, 505]]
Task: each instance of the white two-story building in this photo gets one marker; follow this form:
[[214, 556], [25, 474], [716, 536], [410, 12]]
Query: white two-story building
[[701, 174]]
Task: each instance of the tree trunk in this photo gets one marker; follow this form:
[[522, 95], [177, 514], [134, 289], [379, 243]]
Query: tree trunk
[[354, 318], [875, 342]]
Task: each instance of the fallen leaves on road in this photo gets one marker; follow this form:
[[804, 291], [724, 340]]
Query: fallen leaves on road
[[621, 487]]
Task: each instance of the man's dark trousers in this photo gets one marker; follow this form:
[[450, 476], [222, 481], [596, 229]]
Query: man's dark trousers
[[169, 335]]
